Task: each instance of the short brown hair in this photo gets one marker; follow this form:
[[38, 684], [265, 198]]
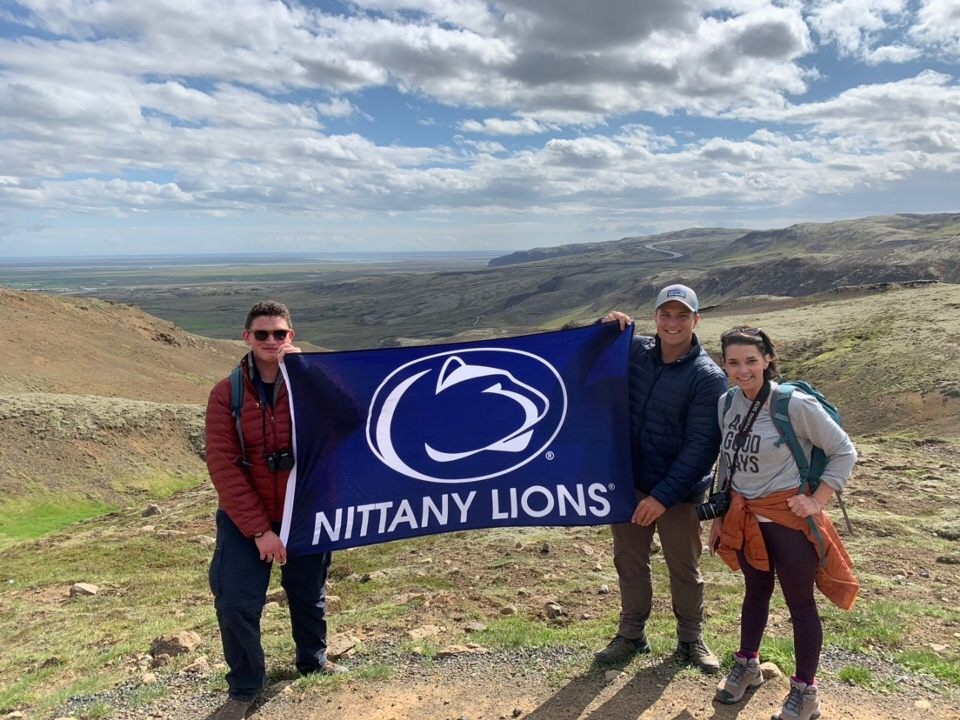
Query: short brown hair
[[268, 308]]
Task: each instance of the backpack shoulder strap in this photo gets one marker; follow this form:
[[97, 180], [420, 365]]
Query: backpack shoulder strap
[[728, 399], [236, 390], [236, 406], [780, 413]]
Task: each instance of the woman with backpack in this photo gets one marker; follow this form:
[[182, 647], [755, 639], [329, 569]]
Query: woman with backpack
[[774, 526]]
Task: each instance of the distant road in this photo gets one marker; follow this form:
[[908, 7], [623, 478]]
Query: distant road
[[670, 253]]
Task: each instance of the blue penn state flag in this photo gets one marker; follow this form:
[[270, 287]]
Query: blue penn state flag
[[401, 442]]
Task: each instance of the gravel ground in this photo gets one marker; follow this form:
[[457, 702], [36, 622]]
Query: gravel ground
[[189, 695]]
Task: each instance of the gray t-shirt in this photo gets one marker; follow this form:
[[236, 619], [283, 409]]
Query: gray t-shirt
[[765, 464]]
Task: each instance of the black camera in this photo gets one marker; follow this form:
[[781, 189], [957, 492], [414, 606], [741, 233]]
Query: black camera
[[716, 506], [280, 461]]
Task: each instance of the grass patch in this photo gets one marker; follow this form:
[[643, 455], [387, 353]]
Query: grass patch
[[148, 694], [95, 710], [157, 485], [318, 683], [41, 513], [779, 650], [946, 669], [856, 675], [514, 632], [23, 519], [56, 646], [572, 316]]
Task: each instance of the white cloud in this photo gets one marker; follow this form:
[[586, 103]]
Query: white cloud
[[854, 24], [938, 25], [891, 54], [588, 152], [499, 126], [253, 106]]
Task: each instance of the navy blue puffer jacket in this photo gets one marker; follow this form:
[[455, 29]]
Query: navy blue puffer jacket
[[674, 432]]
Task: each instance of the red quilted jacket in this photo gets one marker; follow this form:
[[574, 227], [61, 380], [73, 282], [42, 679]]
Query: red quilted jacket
[[252, 497]]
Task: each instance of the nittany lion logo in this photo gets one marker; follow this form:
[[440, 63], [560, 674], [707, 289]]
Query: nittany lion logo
[[466, 415]]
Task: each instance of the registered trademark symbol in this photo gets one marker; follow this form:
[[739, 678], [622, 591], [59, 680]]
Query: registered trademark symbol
[[549, 455], [611, 486]]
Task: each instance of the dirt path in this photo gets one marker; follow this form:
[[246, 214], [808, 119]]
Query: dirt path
[[654, 692], [539, 685]]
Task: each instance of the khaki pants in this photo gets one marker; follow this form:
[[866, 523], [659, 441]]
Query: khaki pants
[[680, 541]]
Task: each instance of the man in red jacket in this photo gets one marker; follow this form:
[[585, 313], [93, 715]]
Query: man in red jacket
[[250, 475]]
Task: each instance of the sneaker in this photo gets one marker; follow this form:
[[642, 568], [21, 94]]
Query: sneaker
[[232, 709], [621, 648], [801, 703], [745, 676], [697, 653]]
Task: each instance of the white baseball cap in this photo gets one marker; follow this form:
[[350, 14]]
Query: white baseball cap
[[681, 293]]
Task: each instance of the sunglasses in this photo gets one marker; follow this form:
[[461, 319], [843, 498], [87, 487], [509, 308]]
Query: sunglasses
[[278, 335], [749, 331]]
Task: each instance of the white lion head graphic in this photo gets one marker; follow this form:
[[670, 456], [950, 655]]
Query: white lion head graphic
[[527, 408]]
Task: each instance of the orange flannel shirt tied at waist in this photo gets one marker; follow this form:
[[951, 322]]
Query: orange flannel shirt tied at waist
[[741, 530]]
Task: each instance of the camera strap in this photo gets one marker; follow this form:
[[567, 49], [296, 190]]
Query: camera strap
[[743, 432]]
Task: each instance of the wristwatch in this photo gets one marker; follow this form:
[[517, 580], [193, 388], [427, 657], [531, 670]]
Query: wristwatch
[[257, 536]]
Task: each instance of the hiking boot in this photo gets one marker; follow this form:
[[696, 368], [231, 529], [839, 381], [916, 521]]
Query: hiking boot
[[745, 675], [620, 649], [232, 709], [697, 653], [801, 703]]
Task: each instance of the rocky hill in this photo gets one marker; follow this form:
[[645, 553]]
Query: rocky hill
[[94, 347], [101, 404]]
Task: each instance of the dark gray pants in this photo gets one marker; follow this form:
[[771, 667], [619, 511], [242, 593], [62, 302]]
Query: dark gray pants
[[239, 580], [679, 531]]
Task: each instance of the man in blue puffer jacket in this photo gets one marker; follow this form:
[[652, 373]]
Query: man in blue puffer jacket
[[674, 435]]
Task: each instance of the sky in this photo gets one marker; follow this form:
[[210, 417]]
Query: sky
[[178, 126]]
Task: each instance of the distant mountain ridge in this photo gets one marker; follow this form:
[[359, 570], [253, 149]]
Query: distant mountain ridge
[[887, 230], [577, 283], [635, 243]]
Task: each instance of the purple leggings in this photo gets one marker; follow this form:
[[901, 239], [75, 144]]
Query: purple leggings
[[794, 560]]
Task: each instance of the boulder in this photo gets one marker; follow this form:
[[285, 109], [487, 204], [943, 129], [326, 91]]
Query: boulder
[[198, 666], [82, 588], [553, 610], [340, 646], [174, 644], [424, 631], [770, 671]]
